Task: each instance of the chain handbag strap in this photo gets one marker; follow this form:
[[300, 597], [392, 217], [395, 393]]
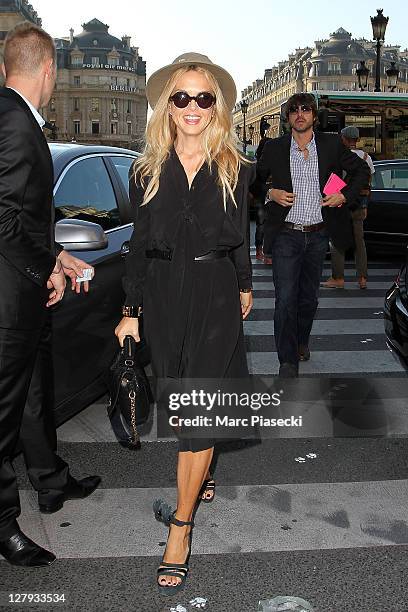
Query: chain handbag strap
[[132, 398]]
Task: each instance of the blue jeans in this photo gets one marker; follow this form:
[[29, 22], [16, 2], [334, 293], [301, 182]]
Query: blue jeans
[[297, 269]]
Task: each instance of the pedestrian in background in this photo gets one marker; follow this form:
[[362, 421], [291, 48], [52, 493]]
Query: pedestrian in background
[[189, 261], [260, 217], [32, 277], [300, 220], [350, 136]]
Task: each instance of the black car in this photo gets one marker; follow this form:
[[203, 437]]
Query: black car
[[386, 226], [396, 317], [92, 212]]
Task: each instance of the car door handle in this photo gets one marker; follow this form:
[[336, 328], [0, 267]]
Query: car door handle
[[124, 249]]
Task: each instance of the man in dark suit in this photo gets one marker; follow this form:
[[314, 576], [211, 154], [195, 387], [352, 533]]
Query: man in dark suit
[[32, 276], [300, 220]]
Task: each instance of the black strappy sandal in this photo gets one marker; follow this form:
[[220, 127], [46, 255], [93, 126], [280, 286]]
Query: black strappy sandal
[[165, 514], [208, 486]]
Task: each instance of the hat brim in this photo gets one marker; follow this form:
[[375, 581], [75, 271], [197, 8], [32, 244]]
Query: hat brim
[[157, 81]]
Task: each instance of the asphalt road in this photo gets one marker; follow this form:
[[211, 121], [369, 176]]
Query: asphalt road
[[322, 518]]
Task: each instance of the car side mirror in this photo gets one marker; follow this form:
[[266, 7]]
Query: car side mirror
[[78, 235]]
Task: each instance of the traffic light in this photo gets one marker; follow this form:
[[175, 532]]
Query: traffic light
[[264, 127]]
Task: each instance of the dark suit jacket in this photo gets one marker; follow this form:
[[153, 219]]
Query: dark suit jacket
[[27, 250], [333, 156]]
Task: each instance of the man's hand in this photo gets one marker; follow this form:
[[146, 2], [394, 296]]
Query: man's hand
[[246, 303], [335, 200], [57, 283], [74, 267], [282, 197]]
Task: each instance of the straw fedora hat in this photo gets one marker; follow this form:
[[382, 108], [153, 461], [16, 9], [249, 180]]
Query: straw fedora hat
[[158, 79]]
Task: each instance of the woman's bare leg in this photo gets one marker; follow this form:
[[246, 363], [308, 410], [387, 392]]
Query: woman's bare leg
[[192, 468]]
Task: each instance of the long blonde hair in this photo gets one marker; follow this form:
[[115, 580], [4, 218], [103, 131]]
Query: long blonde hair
[[219, 144]]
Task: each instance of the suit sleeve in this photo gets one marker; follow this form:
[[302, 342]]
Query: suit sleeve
[[136, 261], [263, 173], [30, 257], [240, 256], [358, 174]]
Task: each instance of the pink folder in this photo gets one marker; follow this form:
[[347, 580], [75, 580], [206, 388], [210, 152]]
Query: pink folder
[[334, 185]]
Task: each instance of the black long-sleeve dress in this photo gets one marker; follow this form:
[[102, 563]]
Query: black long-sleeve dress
[[192, 313]]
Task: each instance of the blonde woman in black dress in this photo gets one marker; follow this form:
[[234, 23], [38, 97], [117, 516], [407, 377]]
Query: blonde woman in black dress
[[189, 261]]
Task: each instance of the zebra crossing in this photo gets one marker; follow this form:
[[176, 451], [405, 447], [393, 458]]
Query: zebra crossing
[[348, 334], [324, 519]]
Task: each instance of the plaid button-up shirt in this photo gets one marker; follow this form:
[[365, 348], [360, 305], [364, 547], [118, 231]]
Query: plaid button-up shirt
[[306, 209]]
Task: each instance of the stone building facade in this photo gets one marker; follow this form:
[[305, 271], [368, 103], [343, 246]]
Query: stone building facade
[[329, 65], [99, 96]]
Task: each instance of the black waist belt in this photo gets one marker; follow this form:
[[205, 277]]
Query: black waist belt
[[158, 254], [167, 255], [304, 228]]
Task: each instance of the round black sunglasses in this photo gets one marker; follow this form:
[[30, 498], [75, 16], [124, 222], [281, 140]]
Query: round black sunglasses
[[181, 99]]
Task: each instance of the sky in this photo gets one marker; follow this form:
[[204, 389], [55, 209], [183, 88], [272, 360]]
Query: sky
[[245, 37]]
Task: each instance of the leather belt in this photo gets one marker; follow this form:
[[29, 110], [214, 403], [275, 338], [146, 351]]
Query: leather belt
[[158, 254], [305, 228], [167, 255]]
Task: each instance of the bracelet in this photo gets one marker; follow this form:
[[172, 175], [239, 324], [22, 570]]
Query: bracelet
[[246, 290], [130, 311]]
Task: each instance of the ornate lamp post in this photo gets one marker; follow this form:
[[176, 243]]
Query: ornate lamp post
[[392, 76], [379, 25], [362, 74], [245, 141]]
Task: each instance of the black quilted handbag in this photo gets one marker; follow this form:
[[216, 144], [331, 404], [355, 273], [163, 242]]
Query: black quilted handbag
[[130, 393]]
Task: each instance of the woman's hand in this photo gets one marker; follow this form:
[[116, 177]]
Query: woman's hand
[[129, 326], [246, 303]]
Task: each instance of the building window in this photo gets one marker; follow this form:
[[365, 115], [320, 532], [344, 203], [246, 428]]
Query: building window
[[114, 61], [129, 128], [76, 104], [52, 104], [95, 105], [95, 61], [114, 127], [127, 63], [114, 80], [95, 127], [127, 82], [76, 61], [315, 86], [129, 106], [334, 67], [77, 127], [77, 81]]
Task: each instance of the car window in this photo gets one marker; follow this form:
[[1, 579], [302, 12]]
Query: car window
[[86, 193], [122, 165], [394, 176]]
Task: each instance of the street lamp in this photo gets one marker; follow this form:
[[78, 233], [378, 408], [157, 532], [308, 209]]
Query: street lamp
[[392, 76], [379, 25], [244, 140], [362, 74]]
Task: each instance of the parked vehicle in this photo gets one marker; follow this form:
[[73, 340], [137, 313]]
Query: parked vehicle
[[396, 316], [386, 226], [92, 211]]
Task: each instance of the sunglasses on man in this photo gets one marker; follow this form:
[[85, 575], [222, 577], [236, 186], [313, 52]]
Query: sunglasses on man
[[302, 108], [181, 99]]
